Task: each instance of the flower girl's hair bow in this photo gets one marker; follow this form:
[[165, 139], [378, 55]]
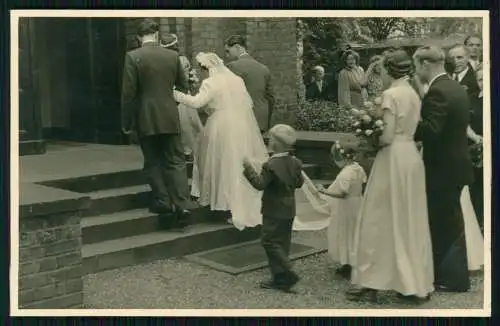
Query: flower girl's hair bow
[[340, 153]]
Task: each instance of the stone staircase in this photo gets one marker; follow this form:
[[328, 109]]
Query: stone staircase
[[118, 230]]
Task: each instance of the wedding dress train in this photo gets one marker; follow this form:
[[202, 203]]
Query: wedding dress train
[[473, 237]]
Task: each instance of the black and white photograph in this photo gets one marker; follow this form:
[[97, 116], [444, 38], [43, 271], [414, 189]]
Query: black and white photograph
[[250, 163]]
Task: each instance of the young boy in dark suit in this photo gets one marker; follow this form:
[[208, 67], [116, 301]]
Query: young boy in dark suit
[[279, 178]]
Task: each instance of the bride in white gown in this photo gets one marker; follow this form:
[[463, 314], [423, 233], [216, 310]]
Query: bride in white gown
[[230, 134]]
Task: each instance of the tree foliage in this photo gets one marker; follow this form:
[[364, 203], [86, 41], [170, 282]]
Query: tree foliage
[[321, 39], [381, 27]]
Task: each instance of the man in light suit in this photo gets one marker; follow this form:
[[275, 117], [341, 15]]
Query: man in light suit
[[149, 109], [256, 76]]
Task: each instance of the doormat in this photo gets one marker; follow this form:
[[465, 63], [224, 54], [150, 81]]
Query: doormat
[[245, 257]]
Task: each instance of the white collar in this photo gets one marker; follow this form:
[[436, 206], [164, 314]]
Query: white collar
[[244, 53], [434, 79], [280, 154], [461, 75], [148, 41], [474, 63]]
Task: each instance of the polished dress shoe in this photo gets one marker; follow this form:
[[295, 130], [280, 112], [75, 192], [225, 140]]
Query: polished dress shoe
[[444, 288], [182, 218], [160, 209]]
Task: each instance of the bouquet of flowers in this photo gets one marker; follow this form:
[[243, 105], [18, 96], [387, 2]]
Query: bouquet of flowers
[[368, 124], [476, 153], [193, 77], [193, 80]]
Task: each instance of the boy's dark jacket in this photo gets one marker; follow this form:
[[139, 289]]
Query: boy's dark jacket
[[279, 178]]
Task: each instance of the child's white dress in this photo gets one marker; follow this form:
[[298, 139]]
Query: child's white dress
[[344, 212]]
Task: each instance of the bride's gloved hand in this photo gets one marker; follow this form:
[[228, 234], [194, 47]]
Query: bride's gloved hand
[[246, 163], [177, 95]]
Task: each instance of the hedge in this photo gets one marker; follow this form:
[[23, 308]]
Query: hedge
[[323, 116]]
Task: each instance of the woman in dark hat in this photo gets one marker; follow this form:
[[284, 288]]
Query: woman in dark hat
[[191, 124], [392, 244]]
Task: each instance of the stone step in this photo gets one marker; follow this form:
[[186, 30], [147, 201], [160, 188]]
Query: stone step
[[129, 223], [136, 221], [108, 201], [117, 200], [91, 183], [157, 245], [125, 179]]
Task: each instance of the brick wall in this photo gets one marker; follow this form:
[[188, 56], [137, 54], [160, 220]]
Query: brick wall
[[272, 41], [50, 261]]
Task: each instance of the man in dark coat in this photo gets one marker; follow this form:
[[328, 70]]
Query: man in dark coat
[[474, 44], [148, 108], [443, 131], [256, 76], [465, 74], [317, 88]]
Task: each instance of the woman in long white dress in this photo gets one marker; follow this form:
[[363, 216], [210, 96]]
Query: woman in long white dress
[[392, 244], [230, 134]]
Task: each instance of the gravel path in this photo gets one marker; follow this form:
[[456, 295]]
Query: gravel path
[[179, 284]]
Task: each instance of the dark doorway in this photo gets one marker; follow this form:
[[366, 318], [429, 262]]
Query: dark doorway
[[80, 63]]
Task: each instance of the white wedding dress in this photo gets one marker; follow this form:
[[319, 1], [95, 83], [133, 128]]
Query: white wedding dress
[[473, 237], [230, 134]]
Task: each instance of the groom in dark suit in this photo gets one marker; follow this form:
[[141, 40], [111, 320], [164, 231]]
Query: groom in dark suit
[[149, 108], [443, 132], [256, 76]]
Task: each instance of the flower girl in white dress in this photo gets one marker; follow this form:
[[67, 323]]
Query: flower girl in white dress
[[345, 200]]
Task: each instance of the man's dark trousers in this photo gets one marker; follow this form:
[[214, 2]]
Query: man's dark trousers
[[165, 168]]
